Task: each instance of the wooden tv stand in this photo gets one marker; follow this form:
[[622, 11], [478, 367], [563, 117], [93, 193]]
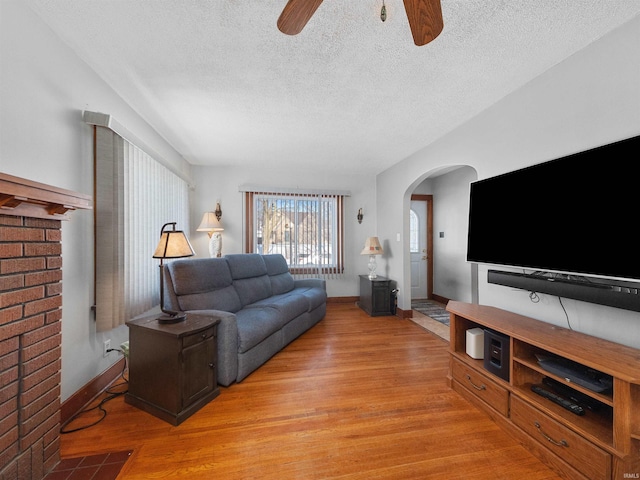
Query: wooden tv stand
[[602, 444]]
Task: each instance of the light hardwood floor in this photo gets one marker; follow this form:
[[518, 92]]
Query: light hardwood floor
[[430, 324], [355, 397]]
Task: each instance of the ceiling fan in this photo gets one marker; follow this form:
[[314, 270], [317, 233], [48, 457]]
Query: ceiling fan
[[425, 18]]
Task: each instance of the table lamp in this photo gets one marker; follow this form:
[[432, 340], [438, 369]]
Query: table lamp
[[211, 224], [372, 248], [173, 244]]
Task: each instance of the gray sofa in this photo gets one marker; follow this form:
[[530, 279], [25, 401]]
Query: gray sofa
[[261, 307]]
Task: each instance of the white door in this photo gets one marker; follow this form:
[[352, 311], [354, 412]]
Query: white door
[[418, 248]]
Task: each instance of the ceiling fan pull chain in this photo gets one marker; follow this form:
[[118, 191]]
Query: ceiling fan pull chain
[[383, 12]]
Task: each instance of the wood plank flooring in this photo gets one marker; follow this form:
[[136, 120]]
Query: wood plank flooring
[[355, 397]]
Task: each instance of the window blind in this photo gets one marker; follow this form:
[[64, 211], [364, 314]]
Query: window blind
[[134, 196], [306, 228]]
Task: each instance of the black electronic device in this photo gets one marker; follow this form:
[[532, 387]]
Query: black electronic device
[[575, 372], [537, 217], [557, 399], [614, 293], [496, 353], [575, 396]]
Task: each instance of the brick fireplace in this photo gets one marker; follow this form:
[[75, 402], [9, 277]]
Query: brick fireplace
[[31, 216]]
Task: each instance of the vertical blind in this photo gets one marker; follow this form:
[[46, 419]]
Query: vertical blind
[[134, 196], [306, 228]]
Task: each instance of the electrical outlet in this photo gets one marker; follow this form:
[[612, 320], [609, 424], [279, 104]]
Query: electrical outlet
[[107, 347]]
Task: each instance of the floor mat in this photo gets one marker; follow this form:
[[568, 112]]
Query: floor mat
[[104, 466], [431, 309]]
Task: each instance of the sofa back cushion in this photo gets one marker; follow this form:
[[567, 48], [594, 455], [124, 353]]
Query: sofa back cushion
[[204, 284], [250, 279], [279, 275]]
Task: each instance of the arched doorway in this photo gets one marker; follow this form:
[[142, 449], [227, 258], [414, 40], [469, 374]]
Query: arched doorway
[[449, 275]]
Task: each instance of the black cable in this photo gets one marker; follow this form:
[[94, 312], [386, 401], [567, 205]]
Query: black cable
[[110, 396], [565, 313], [124, 380]]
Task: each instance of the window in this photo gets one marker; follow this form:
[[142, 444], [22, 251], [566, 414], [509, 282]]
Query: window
[[414, 232], [306, 228]]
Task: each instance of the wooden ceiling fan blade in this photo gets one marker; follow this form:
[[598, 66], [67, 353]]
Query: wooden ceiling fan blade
[[296, 14], [425, 19]]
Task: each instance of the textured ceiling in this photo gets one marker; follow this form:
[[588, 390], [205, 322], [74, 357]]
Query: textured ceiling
[[224, 86]]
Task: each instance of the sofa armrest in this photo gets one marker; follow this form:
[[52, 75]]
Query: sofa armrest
[[310, 283], [227, 367]]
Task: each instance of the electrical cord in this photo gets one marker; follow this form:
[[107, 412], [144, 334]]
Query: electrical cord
[[565, 313], [533, 296], [111, 394]]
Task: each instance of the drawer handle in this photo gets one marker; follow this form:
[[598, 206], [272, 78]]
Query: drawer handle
[[561, 443], [211, 365], [481, 387]]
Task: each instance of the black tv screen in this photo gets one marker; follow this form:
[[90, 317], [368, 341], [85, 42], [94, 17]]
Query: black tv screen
[[578, 214]]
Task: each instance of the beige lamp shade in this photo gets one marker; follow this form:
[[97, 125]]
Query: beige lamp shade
[[173, 244], [210, 223], [372, 247]]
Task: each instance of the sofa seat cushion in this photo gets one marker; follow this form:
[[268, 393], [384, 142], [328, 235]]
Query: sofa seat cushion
[[256, 324], [289, 306]]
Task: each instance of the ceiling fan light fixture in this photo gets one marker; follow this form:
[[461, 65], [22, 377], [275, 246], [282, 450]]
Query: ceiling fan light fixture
[[383, 12]]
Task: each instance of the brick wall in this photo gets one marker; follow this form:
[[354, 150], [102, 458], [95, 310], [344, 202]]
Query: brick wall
[[30, 352]]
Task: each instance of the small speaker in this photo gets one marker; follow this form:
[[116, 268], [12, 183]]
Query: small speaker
[[475, 343], [496, 353]]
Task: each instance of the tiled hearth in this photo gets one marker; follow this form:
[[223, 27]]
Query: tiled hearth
[[30, 324], [105, 466]]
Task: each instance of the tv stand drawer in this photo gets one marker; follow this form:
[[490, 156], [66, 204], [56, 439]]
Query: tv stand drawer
[[481, 386], [575, 450]]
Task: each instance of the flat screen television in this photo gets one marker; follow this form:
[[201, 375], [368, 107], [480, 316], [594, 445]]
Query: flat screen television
[[578, 214]]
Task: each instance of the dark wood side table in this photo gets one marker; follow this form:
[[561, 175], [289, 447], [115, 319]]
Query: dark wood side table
[[375, 295], [172, 367]]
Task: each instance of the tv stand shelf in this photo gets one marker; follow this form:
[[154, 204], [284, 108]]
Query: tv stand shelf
[[604, 443]]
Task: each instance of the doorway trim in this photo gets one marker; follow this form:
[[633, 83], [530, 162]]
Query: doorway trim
[[429, 200]]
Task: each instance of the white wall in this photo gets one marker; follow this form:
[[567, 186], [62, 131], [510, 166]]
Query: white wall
[[213, 184], [590, 99], [44, 89], [452, 274]]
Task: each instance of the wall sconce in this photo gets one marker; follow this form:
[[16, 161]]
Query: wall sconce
[[360, 216], [211, 224]]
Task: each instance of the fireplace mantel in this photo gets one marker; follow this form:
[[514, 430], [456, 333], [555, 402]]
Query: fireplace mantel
[[26, 198]]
